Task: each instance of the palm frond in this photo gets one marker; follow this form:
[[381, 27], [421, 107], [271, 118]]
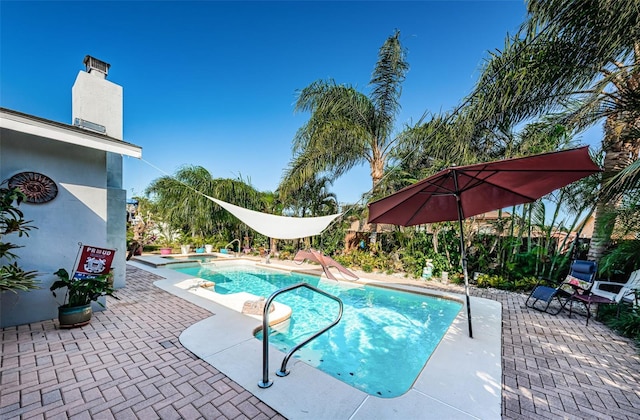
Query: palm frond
[[387, 78]]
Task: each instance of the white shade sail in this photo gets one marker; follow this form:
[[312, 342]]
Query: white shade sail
[[278, 227]]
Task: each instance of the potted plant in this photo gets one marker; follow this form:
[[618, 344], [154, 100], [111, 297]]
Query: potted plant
[[80, 292], [167, 237], [166, 245]]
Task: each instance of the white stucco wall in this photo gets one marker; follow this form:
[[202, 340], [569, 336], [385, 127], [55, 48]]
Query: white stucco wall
[[78, 214], [99, 101]]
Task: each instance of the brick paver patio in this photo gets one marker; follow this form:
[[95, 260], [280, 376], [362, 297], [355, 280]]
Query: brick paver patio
[[128, 363]]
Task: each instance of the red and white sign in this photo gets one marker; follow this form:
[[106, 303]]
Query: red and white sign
[[94, 261]]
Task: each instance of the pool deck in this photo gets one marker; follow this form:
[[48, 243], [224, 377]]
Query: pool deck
[[130, 362]]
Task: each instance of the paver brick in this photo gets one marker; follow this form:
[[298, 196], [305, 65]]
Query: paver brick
[[209, 411], [51, 397], [188, 399], [128, 414], [20, 411], [104, 408], [229, 410], [166, 401], [188, 412], [248, 409], [83, 415], [127, 403], [9, 408]]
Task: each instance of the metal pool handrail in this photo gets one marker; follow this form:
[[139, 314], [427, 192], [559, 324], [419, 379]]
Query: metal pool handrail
[[266, 383]]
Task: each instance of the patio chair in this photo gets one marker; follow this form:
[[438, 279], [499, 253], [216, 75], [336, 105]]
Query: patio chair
[[599, 295], [625, 291], [578, 281]]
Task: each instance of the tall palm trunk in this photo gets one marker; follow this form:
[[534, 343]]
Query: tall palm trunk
[[619, 153], [621, 146], [377, 167], [377, 172]]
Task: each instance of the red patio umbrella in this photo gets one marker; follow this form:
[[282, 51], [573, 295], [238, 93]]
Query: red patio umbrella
[[463, 191]]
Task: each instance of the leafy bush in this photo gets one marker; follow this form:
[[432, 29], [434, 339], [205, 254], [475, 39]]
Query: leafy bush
[[12, 276], [626, 323], [414, 261], [499, 282], [365, 260], [526, 284], [456, 278], [621, 259], [285, 255], [492, 280]]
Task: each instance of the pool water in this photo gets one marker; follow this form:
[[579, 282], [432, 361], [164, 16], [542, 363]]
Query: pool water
[[381, 344]]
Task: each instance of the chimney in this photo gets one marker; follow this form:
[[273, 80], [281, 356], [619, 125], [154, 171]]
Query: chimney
[[96, 103], [96, 67]]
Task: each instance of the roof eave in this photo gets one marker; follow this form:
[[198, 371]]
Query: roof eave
[[24, 123]]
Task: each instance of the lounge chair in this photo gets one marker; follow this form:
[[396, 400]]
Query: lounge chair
[[625, 291], [324, 260], [579, 280], [599, 295]]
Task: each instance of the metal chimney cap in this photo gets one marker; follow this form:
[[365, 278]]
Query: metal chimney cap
[[92, 63]]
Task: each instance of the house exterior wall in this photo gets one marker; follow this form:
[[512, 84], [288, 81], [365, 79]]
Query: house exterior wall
[[78, 214]]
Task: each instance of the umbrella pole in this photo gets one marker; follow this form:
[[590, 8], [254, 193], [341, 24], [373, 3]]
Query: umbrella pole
[[463, 257]]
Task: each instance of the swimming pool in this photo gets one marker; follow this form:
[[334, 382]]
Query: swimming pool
[[382, 343]]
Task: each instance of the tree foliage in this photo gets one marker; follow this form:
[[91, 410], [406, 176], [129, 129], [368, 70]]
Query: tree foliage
[[181, 201], [346, 128], [12, 276]]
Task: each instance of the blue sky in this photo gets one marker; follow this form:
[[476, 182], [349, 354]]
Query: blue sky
[[213, 83]]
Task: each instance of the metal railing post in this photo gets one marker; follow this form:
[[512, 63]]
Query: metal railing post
[[265, 382]]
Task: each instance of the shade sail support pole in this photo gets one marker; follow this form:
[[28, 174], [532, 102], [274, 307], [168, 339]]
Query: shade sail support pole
[[463, 253]]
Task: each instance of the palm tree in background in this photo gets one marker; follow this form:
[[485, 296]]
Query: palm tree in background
[[182, 204], [346, 128], [578, 59], [313, 199]]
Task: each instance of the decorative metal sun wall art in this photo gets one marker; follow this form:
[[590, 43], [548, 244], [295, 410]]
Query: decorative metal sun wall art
[[37, 187]]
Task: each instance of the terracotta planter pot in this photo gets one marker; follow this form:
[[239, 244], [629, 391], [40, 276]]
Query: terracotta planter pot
[[165, 251], [76, 316]]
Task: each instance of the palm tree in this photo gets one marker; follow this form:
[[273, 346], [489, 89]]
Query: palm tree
[[347, 128], [313, 199], [580, 57], [272, 204], [181, 202], [627, 180]]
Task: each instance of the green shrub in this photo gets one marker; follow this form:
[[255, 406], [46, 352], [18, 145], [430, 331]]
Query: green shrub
[[12, 276], [366, 261], [526, 284], [626, 323], [456, 278], [491, 280]]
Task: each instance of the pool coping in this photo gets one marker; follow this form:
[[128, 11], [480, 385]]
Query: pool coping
[[462, 379]]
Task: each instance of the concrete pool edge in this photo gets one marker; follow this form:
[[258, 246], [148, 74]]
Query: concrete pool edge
[[462, 379]]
